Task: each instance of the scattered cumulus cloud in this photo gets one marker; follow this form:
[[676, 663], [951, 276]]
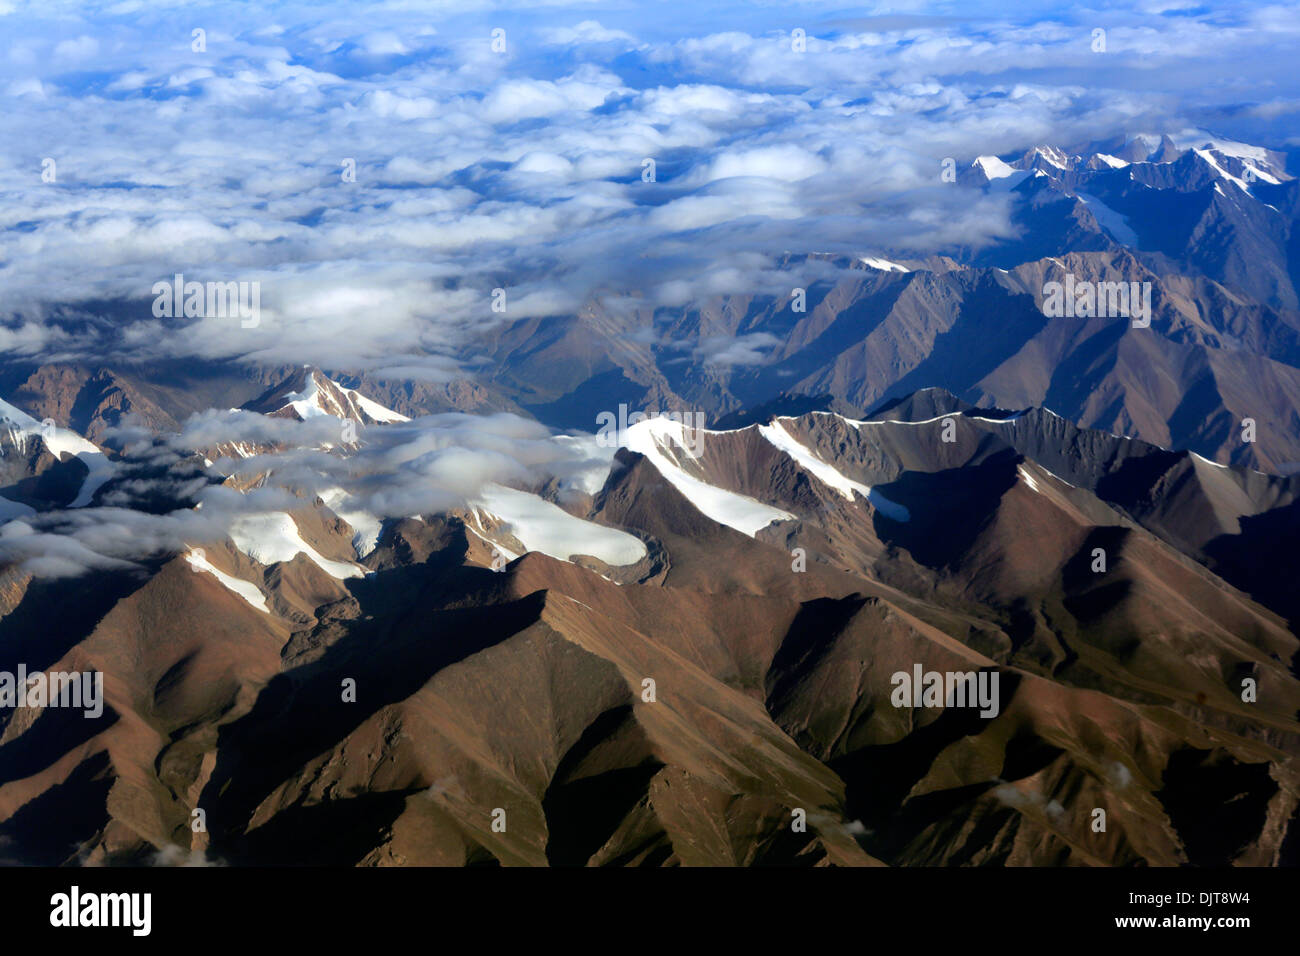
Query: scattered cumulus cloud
[[431, 464]]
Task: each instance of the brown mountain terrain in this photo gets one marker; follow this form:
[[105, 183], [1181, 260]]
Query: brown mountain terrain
[[437, 711]]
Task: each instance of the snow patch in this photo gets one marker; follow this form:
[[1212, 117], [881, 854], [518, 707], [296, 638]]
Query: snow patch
[[1207, 461], [503, 551], [311, 402], [1221, 171], [372, 408], [660, 440], [249, 592], [1053, 156], [273, 537], [1110, 220], [994, 168], [307, 402], [542, 526], [937, 418], [365, 525], [884, 265], [1228, 147], [809, 461], [1023, 472], [1261, 175], [60, 442]]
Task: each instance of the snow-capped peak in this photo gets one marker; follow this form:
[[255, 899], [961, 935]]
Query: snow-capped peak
[[23, 428], [993, 168], [1113, 162], [1209, 159], [320, 395], [59, 441], [1052, 156], [1149, 141]]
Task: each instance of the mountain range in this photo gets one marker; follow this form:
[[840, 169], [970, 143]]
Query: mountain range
[[349, 620]]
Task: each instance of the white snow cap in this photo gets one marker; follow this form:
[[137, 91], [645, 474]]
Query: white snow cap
[[59, 441], [249, 592], [994, 168], [664, 445], [311, 402], [542, 526], [273, 537]]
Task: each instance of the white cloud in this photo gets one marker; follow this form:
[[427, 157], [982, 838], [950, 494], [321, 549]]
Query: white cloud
[[514, 100], [475, 169], [588, 31], [78, 49], [787, 162]]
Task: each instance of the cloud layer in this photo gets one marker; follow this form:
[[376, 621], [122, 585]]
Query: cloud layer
[[164, 501], [505, 146]]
